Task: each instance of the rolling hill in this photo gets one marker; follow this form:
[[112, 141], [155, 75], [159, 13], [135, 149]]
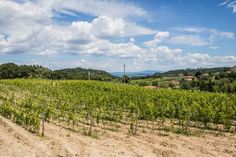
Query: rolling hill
[[11, 70]]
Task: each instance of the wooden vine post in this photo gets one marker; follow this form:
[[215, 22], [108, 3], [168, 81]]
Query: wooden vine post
[[136, 122], [42, 119], [42, 114]]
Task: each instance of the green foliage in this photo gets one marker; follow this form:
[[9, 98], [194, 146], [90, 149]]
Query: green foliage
[[144, 83], [185, 84], [11, 70], [82, 74], [125, 79], [156, 83], [198, 71], [224, 81], [94, 102], [24, 114]]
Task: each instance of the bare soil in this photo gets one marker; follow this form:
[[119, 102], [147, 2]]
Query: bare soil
[[15, 141]]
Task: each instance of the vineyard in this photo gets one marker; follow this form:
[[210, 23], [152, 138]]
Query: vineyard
[[92, 103]]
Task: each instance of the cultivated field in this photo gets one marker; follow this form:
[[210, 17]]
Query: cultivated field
[[90, 118]]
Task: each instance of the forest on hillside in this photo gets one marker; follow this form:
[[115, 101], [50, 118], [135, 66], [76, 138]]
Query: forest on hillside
[[11, 70]]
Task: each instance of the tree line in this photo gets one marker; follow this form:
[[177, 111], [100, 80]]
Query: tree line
[[11, 71]]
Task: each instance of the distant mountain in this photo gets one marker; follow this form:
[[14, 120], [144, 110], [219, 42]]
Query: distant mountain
[[136, 74]]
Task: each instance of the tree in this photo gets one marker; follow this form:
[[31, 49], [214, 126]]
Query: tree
[[156, 83], [186, 73], [198, 74], [185, 84]]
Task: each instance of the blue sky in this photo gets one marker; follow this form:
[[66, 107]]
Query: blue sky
[[105, 34]]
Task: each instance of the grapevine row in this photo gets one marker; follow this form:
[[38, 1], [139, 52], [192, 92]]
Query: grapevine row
[[93, 102]]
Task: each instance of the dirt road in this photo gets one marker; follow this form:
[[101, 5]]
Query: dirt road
[[15, 141]]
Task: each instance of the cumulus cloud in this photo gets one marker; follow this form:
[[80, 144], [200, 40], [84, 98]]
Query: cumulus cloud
[[168, 58], [197, 58], [159, 37], [167, 53], [14, 15], [106, 48], [30, 28], [105, 26], [165, 57]]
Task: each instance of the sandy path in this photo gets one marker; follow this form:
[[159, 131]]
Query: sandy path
[[16, 141]]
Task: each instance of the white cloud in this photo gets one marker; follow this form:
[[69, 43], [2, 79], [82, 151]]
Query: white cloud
[[234, 8], [219, 35], [132, 40], [208, 35], [106, 48], [30, 28], [205, 60], [105, 26], [132, 29], [224, 59], [206, 31], [224, 3], [167, 53], [13, 15], [214, 47], [229, 4], [2, 39], [197, 58], [162, 35], [159, 37], [47, 52], [190, 29], [193, 36], [169, 58], [193, 40], [111, 8], [161, 54]]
